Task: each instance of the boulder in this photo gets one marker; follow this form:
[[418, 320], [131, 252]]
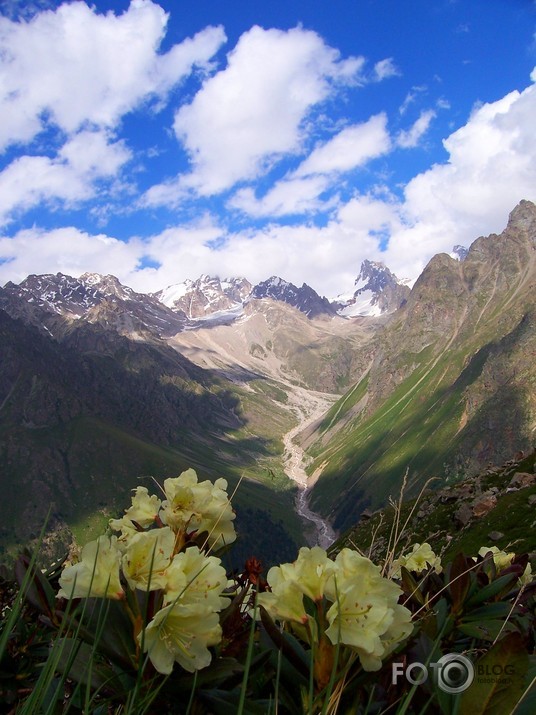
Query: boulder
[[484, 504]]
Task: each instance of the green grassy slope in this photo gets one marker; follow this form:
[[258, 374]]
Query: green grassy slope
[[452, 385]]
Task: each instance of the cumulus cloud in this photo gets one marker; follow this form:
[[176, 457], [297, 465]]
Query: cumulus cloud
[[491, 167], [61, 69], [69, 177], [350, 148], [71, 66], [65, 250], [299, 191], [289, 196], [251, 113]]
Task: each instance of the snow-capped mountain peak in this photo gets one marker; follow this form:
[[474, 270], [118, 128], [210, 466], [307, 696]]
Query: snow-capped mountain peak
[[206, 295], [376, 291]]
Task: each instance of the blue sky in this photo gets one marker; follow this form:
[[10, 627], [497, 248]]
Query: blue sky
[[160, 141]]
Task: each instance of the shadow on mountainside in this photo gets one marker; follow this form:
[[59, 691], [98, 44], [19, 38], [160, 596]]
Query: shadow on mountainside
[[83, 420]]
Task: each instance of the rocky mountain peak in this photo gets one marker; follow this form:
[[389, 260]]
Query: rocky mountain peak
[[92, 297], [374, 276], [205, 296], [378, 291], [108, 285], [58, 293], [523, 217], [304, 299]]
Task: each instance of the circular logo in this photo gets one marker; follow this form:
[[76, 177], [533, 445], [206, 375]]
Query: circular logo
[[455, 673]]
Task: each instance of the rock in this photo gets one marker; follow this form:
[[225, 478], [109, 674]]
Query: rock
[[532, 499], [366, 514], [522, 479], [495, 535], [463, 515], [484, 504]]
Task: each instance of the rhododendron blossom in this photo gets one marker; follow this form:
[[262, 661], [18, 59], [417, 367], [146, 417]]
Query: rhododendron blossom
[[503, 560], [143, 511], [418, 560], [181, 633], [362, 606], [147, 556], [193, 506], [96, 574]]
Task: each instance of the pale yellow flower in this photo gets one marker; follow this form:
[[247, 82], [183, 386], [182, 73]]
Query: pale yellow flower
[[358, 618], [313, 571], [181, 633], [501, 559], [285, 601], [192, 576], [365, 613], [143, 511], [217, 516], [147, 556], [351, 566], [199, 506], [418, 560], [96, 574], [180, 506], [289, 583]]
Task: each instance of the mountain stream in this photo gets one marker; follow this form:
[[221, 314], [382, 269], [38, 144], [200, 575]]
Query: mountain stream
[[309, 406]]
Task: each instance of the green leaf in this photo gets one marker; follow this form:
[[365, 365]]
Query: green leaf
[[77, 661], [290, 647], [116, 637], [491, 589], [527, 706], [38, 591], [486, 630], [499, 679], [491, 610], [411, 586], [223, 702]]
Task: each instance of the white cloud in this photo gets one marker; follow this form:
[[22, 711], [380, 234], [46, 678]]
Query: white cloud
[[65, 250], [252, 112], [70, 177], [71, 66], [491, 167], [350, 148], [299, 191], [287, 197], [385, 69], [409, 138]]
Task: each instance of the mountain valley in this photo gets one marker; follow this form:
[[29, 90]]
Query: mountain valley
[[271, 386]]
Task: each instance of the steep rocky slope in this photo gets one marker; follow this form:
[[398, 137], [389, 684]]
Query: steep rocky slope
[[495, 507], [451, 383]]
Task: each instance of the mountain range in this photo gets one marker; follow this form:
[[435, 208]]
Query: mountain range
[[101, 387]]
